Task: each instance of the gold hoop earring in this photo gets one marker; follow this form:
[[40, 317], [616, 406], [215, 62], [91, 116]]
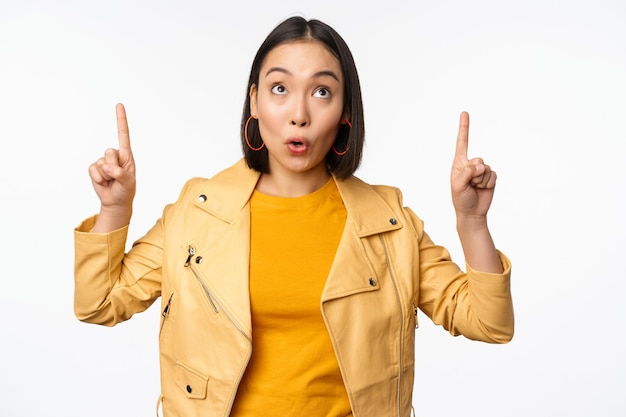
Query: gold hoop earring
[[245, 135], [348, 147]]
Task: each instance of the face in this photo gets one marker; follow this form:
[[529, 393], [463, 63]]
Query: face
[[299, 105]]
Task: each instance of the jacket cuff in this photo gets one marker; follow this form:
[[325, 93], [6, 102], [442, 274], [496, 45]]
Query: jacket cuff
[[489, 277], [83, 233]]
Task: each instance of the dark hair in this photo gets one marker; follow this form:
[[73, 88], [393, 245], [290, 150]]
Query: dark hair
[[298, 28]]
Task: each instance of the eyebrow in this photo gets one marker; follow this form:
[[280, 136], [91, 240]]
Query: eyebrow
[[323, 73]]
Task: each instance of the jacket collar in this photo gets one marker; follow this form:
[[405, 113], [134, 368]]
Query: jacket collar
[[228, 192], [368, 211]]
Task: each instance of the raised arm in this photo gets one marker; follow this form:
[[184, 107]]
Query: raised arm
[[113, 179]]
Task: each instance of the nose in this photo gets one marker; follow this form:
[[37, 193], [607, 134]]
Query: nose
[[300, 116]]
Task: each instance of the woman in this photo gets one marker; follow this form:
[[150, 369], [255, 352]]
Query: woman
[[289, 286]]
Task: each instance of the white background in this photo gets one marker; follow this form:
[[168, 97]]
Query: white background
[[545, 85]]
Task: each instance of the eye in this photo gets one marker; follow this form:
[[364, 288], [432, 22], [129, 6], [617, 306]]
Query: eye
[[279, 89], [322, 92]]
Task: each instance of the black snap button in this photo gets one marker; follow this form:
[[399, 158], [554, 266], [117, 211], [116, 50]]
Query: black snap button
[[199, 259], [189, 389], [393, 221], [202, 198], [372, 282]]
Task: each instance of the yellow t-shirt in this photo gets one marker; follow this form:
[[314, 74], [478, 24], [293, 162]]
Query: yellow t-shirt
[[293, 370]]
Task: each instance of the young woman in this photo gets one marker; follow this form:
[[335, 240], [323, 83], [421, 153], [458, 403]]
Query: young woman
[[289, 286]]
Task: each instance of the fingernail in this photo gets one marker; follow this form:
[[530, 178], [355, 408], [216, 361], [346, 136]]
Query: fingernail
[[107, 169]]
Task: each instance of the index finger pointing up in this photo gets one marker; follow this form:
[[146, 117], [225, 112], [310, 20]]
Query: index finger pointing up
[[122, 127], [462, 138]]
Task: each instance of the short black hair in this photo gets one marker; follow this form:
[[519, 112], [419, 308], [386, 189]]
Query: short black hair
[[351, 138]]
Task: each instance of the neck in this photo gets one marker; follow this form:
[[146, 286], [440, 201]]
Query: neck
[[293, 184]]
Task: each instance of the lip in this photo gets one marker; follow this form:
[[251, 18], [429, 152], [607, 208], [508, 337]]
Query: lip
[[297, 145]]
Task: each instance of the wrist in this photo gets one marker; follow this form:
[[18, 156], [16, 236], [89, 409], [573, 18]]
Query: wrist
[[116, 211], [112, 218], [471, 222]]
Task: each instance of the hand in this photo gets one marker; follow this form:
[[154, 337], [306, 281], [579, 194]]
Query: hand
[[113, 176], [472, 182]]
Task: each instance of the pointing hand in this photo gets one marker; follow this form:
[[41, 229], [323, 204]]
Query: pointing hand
[[472, 181], [113, 175]]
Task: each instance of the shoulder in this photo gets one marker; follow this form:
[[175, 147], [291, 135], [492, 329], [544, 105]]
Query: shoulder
[[365, 200], [192, 185], [359, 189], [223, 195], [227, 181]]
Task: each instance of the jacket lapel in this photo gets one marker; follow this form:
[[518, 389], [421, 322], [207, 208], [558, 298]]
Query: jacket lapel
[[225, 268], [368, 215]]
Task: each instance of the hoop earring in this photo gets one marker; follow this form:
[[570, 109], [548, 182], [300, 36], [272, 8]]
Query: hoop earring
[[348, 147], [245, 135]]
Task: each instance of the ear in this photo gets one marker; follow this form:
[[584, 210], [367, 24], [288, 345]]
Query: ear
[[253, 106]]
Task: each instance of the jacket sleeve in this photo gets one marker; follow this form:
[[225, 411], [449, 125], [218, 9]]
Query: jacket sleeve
[[111, 285], [474, 304]]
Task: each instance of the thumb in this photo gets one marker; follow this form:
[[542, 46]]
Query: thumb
[[464, 173], [120, 174]]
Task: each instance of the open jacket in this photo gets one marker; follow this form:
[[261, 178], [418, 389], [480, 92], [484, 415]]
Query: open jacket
[[196, 258]]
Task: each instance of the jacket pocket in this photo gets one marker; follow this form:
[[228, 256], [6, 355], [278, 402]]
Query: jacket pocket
[[191, 382]]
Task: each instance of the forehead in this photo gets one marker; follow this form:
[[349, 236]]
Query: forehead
[[302, 57]]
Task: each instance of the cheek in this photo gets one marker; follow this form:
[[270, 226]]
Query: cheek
[[334, 113], [269, 113], [331, 121], [269, 120]]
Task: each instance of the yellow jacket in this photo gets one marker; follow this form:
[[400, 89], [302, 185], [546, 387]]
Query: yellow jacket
[[196, 259]]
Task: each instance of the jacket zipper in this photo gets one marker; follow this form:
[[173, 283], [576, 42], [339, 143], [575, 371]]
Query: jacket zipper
[[400, 350], [166, 312], [214, 304], [191, 251]]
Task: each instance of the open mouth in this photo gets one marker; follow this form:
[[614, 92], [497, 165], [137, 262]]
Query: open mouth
[[297, 147]]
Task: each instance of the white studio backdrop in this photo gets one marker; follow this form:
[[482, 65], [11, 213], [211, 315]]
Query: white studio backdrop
[[544, 83]]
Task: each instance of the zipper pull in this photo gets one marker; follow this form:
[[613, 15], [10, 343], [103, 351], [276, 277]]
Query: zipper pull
[[191, 251]]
